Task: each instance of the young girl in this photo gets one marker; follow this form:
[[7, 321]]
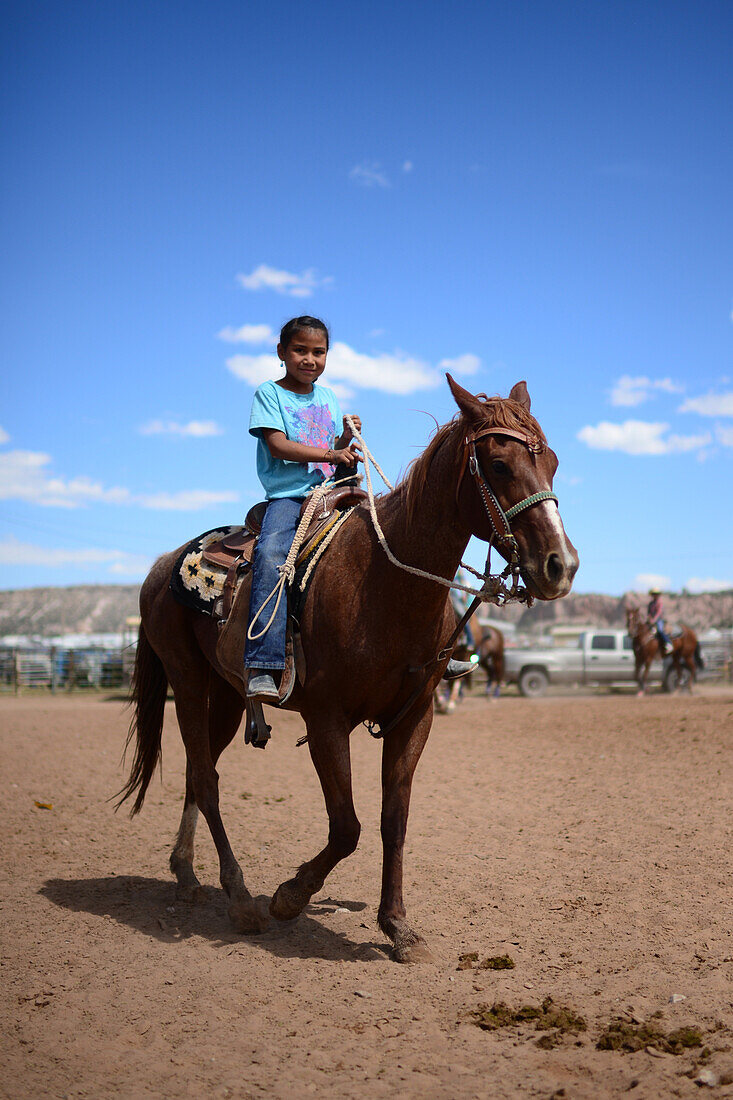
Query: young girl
[[295, 422]]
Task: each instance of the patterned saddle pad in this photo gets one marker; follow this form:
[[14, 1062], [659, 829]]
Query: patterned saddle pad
[[197, 583]]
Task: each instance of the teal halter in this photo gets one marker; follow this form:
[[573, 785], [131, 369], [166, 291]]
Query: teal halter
[[501, 531]]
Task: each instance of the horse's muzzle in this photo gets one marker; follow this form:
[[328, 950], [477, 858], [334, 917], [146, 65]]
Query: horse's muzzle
[[549, 567]]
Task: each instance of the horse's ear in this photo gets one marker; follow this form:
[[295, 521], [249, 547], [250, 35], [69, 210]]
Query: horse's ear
[[469, 405], [520, 395]]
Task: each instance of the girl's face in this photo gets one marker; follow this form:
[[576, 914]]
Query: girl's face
[[304, 359]]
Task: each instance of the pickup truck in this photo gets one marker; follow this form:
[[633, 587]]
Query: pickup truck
[[600, 657]]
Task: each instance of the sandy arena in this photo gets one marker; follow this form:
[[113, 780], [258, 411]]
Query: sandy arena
[[587, 838]]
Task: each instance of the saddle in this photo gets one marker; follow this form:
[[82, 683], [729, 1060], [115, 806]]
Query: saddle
[[235, 551]]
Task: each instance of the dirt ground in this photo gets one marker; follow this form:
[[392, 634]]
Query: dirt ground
[[587, 838]]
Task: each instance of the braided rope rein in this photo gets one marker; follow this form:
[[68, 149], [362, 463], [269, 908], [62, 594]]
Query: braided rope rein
[[491, 590], [287, 569]]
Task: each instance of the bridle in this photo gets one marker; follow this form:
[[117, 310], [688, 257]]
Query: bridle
[[501, 532]]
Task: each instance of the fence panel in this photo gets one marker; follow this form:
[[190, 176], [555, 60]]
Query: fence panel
[[57, 669]]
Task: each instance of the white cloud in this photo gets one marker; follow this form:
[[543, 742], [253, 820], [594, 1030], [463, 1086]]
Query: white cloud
[[255, 369], [407, 166], [4, 437], [187, 500], [369, 174], [14, 552], [395, 373], [25, 475], [707, 584], [724, 435], [710, 404], [630, 391], [197, 429], [283, 282], [651, 580], [639, 437], [248, 334], [462, 364]]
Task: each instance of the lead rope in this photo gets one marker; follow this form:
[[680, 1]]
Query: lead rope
[[287, 569], [369, 457]]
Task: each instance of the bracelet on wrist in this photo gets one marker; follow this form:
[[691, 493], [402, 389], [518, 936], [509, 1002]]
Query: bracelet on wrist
[[329, 456]]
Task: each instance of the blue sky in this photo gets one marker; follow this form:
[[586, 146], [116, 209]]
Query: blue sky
[[525, 190]]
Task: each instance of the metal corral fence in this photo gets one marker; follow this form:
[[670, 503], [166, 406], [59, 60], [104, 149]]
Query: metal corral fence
[[59, 669]]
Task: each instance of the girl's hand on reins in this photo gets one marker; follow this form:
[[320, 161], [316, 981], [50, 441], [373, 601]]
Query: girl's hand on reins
[[347, 435], [346, 456]]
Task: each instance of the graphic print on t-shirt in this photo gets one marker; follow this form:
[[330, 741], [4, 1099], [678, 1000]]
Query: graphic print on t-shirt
[[315, 428]]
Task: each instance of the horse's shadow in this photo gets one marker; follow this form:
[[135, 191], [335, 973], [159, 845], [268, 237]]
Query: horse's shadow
[[149, 906]]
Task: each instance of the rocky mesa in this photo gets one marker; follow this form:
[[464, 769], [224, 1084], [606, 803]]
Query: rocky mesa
[[92, 609]]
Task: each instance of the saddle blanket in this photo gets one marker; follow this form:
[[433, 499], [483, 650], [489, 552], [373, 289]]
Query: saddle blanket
[[197, 583]]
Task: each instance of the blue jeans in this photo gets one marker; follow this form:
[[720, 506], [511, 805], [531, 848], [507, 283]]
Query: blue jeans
[[661, 633], [278, 530]]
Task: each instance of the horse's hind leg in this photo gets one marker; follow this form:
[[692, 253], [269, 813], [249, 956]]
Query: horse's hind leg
[[191, 690], [189, 887], [224, 717], [401, 752], [330, 752]]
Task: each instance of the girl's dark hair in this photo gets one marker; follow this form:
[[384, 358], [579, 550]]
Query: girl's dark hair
[[288, 331]]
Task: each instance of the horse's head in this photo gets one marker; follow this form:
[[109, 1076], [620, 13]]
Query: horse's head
[[633, 619], [506, 462]]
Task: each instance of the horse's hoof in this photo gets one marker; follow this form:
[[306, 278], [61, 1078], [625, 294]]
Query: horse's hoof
[[287, 902], [408, 946], [190, 895], [412, 950], [250, 916]]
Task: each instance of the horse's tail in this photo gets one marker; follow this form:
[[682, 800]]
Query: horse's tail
[[147, 697], [698, 656]]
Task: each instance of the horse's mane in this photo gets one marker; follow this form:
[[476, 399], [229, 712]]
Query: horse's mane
[[501, 412]]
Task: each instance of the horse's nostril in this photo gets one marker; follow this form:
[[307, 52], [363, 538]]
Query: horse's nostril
[[554, 568]]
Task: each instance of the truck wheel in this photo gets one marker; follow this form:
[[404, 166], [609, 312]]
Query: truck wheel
[[669, 679], [533, 682]]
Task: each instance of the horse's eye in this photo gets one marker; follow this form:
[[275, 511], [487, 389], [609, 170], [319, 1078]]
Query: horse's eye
[[499, 467]]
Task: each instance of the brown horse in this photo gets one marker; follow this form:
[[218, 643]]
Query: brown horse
[[372, 636], [685, 650], [491, 659]]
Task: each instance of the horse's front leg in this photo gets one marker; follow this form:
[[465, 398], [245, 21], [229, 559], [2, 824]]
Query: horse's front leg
[[331, 756], [641, 677], [402, 750]]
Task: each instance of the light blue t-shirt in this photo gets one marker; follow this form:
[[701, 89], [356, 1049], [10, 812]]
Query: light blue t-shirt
[[310, 418]]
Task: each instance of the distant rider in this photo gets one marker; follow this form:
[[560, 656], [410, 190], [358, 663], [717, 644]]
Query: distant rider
[[655, 618]]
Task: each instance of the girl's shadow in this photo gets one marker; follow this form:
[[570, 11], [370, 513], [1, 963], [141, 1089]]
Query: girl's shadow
[[149, 906]]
